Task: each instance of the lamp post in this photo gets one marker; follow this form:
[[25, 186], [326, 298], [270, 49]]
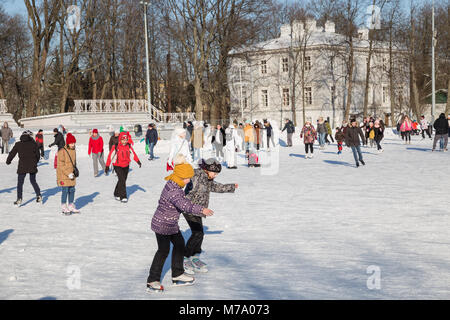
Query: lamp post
[[433, 68], [145, 3]]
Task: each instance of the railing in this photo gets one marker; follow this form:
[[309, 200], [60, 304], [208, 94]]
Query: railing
[[3, 108], [130, 106]]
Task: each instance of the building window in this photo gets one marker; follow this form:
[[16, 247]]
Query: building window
[[263, 66], [307, 63], [244, 98], [285, 97], [385, 94], [308, 95], [264, 98], [285, 64]]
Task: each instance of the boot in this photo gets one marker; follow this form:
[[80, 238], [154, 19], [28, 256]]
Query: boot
[[73, 209]]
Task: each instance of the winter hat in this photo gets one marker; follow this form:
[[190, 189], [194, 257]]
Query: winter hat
[[180, 172], [28, 133], [55, 130], [70, 139], [211, 165], [95, 131], [179, 159]]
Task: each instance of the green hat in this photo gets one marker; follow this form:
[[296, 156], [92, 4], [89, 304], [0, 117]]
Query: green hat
[[122, 129]]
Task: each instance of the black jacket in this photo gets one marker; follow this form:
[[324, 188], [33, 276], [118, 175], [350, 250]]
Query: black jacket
[[28, 151], [151, 136], [113, 141], [352, 135], [289, 127], [269, 130], [59, 141], [224, 141], [379, 133], [441, 125]]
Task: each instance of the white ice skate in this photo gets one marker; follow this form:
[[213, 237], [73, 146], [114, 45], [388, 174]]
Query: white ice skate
[[154, 286], [73, 209], [65, 210], [117, 198], [183, 280], [199, 266], [124, 200]]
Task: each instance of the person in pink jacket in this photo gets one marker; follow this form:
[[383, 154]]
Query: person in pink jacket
[[406, 128]]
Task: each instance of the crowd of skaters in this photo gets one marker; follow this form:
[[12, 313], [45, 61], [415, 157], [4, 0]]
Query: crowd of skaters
[[193, 178]]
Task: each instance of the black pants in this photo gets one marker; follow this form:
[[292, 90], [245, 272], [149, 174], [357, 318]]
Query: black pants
[[407, 135], [378, 144], [161, 255], [21, 180], [428, 133], [121, 186], [310, 146], [194, 244], [41, 150]]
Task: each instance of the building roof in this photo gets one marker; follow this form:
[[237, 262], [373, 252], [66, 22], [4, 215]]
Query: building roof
[[317, 37]]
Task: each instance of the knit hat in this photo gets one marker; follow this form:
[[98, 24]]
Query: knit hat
[[180, 172], [211, 165], [70, 139], [95, 131]]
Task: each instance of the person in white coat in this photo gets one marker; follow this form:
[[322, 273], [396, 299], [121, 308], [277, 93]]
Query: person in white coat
[[234, 141], [178, 145]]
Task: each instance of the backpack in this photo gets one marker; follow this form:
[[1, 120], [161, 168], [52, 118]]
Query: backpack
[[372, 134], [229, 135]]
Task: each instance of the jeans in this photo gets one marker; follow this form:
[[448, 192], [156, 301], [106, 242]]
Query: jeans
[[151, 146], [21, 180], [357, 153], [439, 137], [289, 139], [68, 192], [378, 144], [322, 139], [196, 154], [161, 255], [194, 243]]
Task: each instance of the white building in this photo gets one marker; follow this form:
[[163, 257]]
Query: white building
[[265, 78]]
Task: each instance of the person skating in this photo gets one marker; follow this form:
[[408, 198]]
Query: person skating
[[290, 129], [178, 144], [309, 135], [329, 132], [59, 142], [165, 225], [352, 135], [379, 134], [66, 175], [441, 126], [269, 131], [28, 152], [197, 141], [6, 134], [340, 137], [197, 191], [371, 135], [151, 139], [219, 142], [406, 128], [321, 132], [424, 126], [95, 149], [40, 142], [114, 139], [257, 127], [120, 158], [233, 143]]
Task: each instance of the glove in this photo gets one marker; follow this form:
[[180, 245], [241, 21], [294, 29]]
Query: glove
[[139, 163], [71, 176], [106, 170]]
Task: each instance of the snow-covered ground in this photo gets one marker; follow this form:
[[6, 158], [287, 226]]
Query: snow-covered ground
[[310, 229]]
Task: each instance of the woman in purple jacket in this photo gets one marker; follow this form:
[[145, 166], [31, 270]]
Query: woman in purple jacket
[[165, 225]]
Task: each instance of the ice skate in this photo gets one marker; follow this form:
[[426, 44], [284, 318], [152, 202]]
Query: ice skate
[[117, 198], [183, 280], [124, 200], [154, 286], [18, 202], [362, 162], [73, 209], [39, 199], [199, 266], [65, 210], [188, 266]]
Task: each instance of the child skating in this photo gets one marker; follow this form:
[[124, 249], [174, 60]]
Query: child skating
[[198, 190], [340, 137], [309, 135], [165, 225]]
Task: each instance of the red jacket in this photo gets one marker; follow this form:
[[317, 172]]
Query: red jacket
[[122, 157], [39, 139], [95, 146]]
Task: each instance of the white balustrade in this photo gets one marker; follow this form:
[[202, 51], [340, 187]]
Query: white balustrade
[[124, 106]]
